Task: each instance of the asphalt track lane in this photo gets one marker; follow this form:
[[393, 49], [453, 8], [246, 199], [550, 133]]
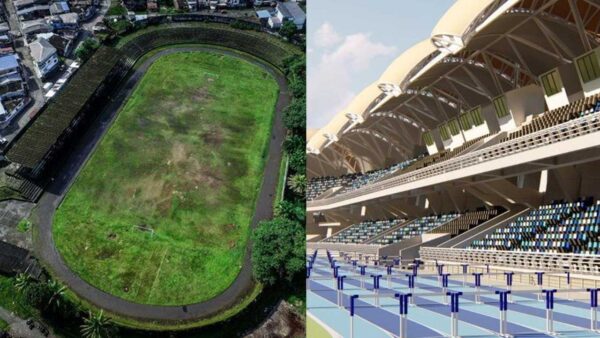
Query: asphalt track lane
[[43, 214]]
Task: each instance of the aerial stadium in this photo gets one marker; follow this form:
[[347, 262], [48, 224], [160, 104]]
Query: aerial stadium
[[149, 172], [458, 195]]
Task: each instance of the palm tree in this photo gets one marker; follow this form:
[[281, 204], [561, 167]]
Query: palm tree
[[297, 183], [22, 281], [96, 326], [58, 291]]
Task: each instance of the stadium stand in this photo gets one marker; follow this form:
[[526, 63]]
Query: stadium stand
[[362, 232]]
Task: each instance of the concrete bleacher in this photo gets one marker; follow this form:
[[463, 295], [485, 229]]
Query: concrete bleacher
[[363, 231]]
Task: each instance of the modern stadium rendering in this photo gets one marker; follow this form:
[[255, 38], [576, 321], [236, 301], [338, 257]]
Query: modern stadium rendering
[[137, 199], [458, 195]]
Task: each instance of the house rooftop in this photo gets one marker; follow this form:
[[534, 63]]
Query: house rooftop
[[291, 10], [263, 14], [9, 61], [41, 49]]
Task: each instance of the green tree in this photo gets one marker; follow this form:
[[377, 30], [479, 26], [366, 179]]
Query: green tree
[[38, 294], [57, 294], [278, 251], [294, 116], [297, 183], [96, 326], [297, 161], [292, 210], [22, 282], [87, 48], [288, 29]]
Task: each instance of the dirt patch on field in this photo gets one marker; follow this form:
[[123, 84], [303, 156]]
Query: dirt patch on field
[[283, 322], [200, 95], [213, 137], [150, 188], [179, 153]]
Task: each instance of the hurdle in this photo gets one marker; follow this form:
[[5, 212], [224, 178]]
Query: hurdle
[[362, 278], [445, 287], [336, 268], [389, 275], [540, 282], [411, 286], [440, 271], [509, 283], [454, 313], [593, 309], [340, 290], [549, 310], [465, 268], [308, 277], [376, 279], [477, 276], [352, 299], [503, 304], [403, 299]]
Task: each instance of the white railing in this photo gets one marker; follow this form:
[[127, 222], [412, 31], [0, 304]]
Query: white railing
[[369, 249], [516, 259], [564, 131]]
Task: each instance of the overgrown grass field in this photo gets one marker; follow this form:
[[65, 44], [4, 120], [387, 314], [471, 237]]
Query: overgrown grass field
[[161, 212]]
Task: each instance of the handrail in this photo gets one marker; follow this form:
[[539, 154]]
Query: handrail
[[580, 126]]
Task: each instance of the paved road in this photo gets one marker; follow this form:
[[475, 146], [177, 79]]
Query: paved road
[[44, 212]]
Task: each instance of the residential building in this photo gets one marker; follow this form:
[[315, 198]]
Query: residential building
[[45, 57], [290, 11]]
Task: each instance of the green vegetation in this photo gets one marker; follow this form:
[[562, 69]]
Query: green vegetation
[[24, 225], [288, 29], [173, 183], [278, 255], [87, 48], [4, 325], [13, 300], [116, 9]]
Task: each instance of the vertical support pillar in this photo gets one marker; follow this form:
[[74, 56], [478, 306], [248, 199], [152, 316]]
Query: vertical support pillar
[[549, 310]]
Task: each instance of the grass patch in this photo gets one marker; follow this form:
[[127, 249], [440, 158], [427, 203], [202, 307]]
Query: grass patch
[[24, 225], [14, 301], [161, 212], [282, 179], [4, 325]]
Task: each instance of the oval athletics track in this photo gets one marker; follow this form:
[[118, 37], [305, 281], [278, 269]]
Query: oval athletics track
[[50, 200]]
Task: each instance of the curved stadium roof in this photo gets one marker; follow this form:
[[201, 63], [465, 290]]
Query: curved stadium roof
[[477, 51]]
